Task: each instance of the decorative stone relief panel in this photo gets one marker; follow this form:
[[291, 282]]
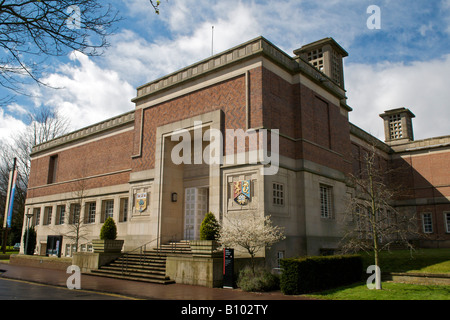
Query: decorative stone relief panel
[[140, 200], [242, 191]]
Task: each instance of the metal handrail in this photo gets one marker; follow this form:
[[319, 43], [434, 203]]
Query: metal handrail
[[142, 249]]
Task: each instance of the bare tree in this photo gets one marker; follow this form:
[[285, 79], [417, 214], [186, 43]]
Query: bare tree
[[76, 224], [155, 5], [372, 222], [249, 231], [42, 28], [44, 125]]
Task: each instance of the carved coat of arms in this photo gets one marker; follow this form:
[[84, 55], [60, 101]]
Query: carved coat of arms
[[241, 193], [141, 201]]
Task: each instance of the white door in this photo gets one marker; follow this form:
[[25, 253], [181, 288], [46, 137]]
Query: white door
[[195, 208]]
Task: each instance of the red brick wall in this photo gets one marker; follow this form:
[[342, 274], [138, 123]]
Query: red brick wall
[[274, 103], [228, 96], [91, 159], [426, 175], [437, 213], [301, 113]]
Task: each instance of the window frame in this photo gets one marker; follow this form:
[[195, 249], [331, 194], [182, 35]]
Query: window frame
[[73, 213], [430, 222], [48, 212], [278, 194], [123, 209], [90, 215], [328, 203], [52, 169], [37, 216], [447, 221], [60, 214], [107, 209]]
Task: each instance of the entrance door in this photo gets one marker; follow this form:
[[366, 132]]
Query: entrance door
[[195, 209]]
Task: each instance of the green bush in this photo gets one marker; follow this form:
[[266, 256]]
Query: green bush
[[311, 274], [209, 228], [261, 281], [109, 230], [31, 241]]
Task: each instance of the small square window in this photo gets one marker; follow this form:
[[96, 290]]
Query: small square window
[[277, 194]]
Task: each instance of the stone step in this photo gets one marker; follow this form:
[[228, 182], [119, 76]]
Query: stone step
[[166, 251], [146, 266], [142, 258], [158, 280], [137, 266], [134, 269]]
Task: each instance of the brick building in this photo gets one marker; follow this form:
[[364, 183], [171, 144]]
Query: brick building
[[124, 167]]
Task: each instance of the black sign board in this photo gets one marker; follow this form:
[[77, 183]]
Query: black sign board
[[228, 268], [54, 244]]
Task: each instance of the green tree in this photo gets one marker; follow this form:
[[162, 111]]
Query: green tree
[[209, 229], [109, 230], [29, 245]]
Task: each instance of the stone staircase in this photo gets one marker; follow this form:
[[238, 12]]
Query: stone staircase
[[148, 266]]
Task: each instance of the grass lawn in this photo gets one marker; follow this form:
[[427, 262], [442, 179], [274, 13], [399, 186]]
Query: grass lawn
[[418, 261], [9, 251], [390, 291]]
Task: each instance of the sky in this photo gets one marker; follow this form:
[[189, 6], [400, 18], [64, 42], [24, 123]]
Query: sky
[[402, 62]]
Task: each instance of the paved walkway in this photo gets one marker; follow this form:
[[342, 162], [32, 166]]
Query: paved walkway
[[136, 289]]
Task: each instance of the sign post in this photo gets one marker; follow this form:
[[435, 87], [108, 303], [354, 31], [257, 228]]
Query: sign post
[[228, 268]]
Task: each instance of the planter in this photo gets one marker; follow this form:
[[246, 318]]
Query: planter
[[204, 248], [107, 246]]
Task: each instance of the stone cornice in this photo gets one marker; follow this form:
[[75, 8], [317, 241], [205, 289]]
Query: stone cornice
[[247, 50], [95, 129], [367, 137]]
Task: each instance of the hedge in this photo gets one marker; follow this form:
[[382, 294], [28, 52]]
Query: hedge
[[312, 274]]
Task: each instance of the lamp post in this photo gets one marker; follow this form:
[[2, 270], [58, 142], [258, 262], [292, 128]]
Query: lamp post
[[29, 216]]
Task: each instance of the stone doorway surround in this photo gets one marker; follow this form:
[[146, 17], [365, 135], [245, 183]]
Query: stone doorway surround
[[168, 178]]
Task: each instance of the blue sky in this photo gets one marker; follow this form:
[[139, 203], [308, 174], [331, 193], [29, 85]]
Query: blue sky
[[405, 63]]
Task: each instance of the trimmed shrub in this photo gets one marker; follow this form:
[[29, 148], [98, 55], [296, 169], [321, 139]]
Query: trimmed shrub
[[109, 230], [209, 228], [31, 241], [312, 274], [261, 281]]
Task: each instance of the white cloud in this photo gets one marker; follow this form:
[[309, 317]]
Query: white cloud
[[421, 87], [151, 46], [16, 108], [445, 9], [9, 126], [139, 60], [88, 93]]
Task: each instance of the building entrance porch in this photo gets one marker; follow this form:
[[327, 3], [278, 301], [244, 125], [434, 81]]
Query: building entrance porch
[[184, 191]]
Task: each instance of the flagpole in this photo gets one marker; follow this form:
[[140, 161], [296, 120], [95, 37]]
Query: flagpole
[[9, 201]]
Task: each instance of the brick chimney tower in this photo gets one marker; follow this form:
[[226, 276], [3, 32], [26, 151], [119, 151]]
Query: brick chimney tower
[[398, 125], [327, 56]]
